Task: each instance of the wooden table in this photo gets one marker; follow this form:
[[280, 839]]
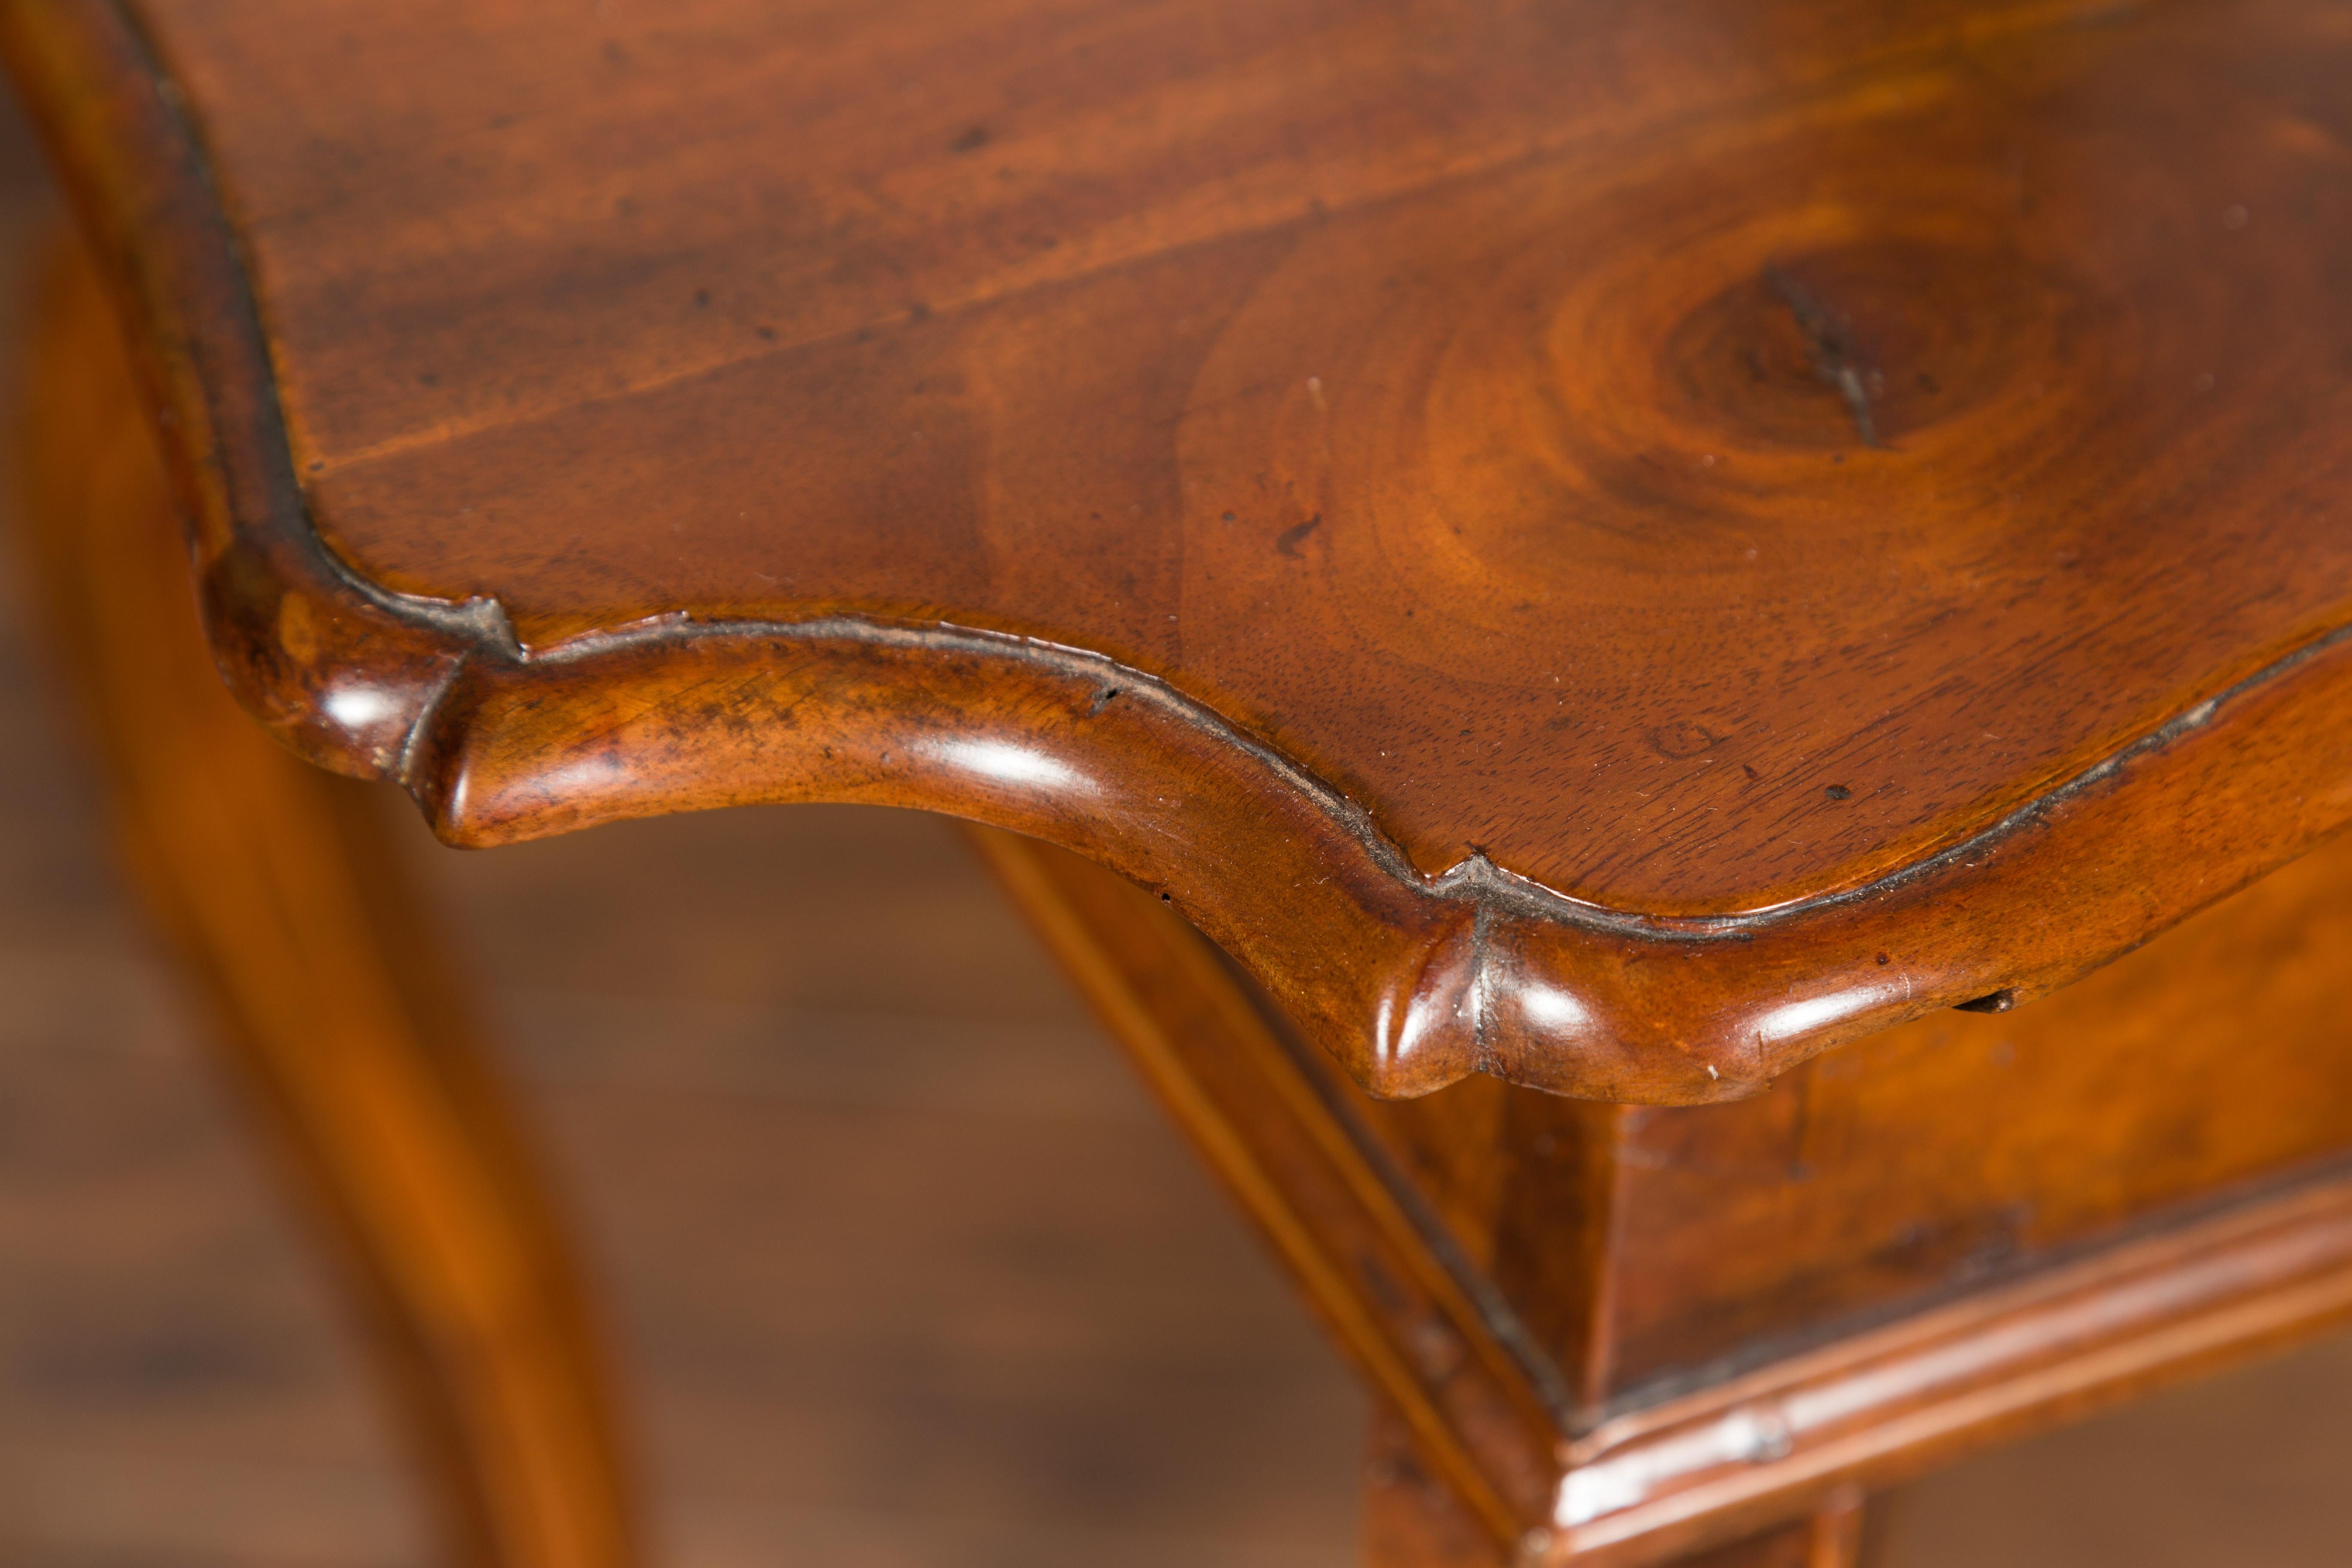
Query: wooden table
[[1595, 553]]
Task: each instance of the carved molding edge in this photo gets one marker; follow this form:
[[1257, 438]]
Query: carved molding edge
[[1411, 981], [1884, 1404]]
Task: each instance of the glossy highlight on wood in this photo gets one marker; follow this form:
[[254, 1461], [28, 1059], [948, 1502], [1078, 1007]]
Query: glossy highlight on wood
[[1438, 1344], [1728, 1318], [1875, 1407], [1608, 547], [1670, 600]]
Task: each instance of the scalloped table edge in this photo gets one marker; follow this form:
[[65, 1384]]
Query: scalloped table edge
[[1411, 981]]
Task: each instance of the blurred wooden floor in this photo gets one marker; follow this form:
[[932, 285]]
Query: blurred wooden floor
[[906, 1270], [903, 1268]]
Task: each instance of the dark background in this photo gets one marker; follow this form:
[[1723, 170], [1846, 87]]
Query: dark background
[[903, 1268]]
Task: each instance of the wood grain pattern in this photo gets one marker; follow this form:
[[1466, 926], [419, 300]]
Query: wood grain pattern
[[333, 1009], [1554, 538], [1648, 1250], [1613, 547], [1959, 1149], [1736, 1314], [1562, 535]]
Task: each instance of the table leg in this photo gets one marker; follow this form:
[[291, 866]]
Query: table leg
[[1831, 1537], [1411, 1519], [1273, 1121], [275, 884], [1464, 1453]]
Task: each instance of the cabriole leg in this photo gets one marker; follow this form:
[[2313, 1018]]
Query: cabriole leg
[[273, 882]]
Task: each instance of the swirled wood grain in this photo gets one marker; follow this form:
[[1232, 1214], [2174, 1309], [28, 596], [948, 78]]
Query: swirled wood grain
[[1613, 545]]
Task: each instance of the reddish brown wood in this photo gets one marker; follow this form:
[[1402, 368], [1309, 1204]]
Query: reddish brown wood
[[1461, 1381], [1941, 1155], [1718, 495], [1613, 547], [1831, 1537], [1411, 1521], [1875, 1407], [333, 1005], [1719, 1306], [1411, 1518]]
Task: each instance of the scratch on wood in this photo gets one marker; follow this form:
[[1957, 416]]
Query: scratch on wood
[[1835, 359], [1287, 541]]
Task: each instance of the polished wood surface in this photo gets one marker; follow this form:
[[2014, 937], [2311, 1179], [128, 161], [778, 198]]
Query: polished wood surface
[[1613, 1333], [1628, 1333], [824, 1119], [1960, 1148], [1615, 547], [1611, 548], [1733, 1316], [1837, 425], [1647, 1250], [1435, 1339], [1873, 1407], [333, 1009], [1411, 1521]]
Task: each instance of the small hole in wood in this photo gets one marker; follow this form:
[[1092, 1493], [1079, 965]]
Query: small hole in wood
[[2001, 1001]]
